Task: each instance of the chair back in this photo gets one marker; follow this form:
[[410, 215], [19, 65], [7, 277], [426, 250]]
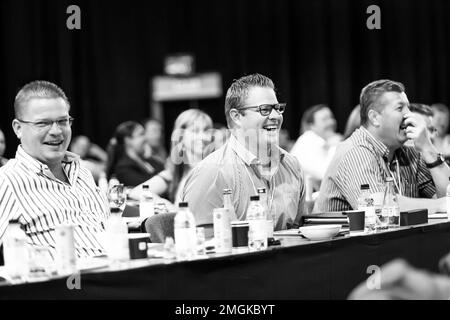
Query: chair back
[[160, 226]]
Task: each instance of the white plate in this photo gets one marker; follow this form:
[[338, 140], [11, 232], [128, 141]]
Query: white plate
[[320, 232]]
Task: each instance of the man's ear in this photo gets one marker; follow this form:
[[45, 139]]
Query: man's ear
[[374, 118], [17, 127], [235, 116]]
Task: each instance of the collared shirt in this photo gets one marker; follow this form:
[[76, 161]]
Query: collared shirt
[[234, 167], [362, 159], [31, 194]]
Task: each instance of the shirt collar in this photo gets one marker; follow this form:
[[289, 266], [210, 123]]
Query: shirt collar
[[382, 150], [36, 165], [248, 157]]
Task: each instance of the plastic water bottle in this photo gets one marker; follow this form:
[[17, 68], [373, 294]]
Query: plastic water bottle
[[366, 204], [116, 229], [222, 230], [15, 251], [228, 203], [448, 201], [391, 209], [267, 215], [146, 203], [185, 233], [257, 234]]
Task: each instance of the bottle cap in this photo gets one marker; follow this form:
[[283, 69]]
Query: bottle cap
[[226, 191], [261, 190], [365, 187], [254, 198], [182, 205]]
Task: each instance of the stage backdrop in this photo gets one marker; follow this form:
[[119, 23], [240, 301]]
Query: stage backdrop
[[315, 51]]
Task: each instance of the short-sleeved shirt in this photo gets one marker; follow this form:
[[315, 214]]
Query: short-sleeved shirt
[[30, 194], [233, 166], [363, 159]]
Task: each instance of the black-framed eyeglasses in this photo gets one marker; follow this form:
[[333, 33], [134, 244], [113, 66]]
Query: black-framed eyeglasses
[[266, 109], [45, 125]]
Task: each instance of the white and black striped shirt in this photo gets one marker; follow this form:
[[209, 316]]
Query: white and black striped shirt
[[362, 159], [40, 202]]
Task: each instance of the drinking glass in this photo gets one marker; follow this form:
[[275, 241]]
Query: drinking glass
[[117, 197]]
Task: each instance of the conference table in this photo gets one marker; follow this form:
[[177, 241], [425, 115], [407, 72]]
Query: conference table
[[296, 269]]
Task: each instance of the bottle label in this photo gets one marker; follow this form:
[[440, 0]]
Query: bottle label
[[185, 242]]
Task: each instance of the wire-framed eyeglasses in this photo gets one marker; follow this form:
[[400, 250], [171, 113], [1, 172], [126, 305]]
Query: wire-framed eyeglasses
[[45, 125], [266, 109]]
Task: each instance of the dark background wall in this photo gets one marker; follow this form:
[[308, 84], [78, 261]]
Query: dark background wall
[[315, 51]]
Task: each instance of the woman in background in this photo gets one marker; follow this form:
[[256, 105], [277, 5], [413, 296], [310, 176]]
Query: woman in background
[[126, 158], [191, 142]]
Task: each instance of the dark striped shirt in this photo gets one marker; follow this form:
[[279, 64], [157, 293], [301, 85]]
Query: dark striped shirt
[[362, 159], [40, 202]]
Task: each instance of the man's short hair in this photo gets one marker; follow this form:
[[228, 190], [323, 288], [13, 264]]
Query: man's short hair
[[372, 92], [441, 108], [238, 92], [37, 89], [421, 108], [308, 116]]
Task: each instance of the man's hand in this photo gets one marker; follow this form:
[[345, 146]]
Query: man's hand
[[400, 281], [416, 130]]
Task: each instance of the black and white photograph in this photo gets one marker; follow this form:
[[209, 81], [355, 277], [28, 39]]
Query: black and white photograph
[[224, 158]]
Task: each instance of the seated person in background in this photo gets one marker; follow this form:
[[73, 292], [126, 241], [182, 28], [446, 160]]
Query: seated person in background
[[154, 135], [285, 140], [249, 160], [191, 142], [44, 185], [399, 281], [315, 148], [3, 160], [126, 156], [92, 156], [353, 122], [440, 122], [376, 151]]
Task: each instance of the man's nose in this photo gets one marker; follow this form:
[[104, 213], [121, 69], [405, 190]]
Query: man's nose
[[55, 128], [274, 114]]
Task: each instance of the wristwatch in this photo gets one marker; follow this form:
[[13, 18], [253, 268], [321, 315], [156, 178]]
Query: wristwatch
[[440, 159]]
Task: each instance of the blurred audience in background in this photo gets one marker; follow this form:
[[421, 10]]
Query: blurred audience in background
[[441, 121], [220, 135], [315, 148], [285, 140], [191, 141], [154, 135], [126, 155], [353, 121], [92, 156], [3, 160]]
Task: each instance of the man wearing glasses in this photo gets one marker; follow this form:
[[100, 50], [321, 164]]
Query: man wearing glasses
[[44, 185], [251, 159]]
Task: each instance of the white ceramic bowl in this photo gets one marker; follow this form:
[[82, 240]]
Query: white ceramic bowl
[[321, 232]]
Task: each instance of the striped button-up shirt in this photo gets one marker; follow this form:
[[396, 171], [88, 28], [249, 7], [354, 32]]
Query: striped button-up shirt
[[40, 202], [362, 159], [233, 166]]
